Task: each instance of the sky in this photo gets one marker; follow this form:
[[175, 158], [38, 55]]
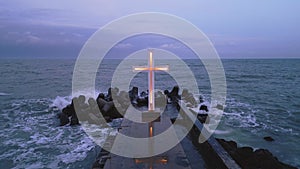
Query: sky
[[237, 29]]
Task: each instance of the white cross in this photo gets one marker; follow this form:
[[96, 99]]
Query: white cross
[[151, 106], [151, 69]]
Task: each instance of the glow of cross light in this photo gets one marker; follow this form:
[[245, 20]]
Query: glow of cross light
[[151, 69]]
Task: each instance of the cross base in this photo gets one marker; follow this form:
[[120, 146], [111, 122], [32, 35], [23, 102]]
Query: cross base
[[150, 116]]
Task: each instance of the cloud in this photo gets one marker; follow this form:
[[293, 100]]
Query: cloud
[[171, 46], [123, 46], [28, 38], [226, 39]]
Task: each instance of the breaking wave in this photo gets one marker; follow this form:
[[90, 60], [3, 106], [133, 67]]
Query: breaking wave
[[37, 141]]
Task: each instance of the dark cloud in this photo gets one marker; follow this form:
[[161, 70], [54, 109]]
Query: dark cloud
[[237, 29], [35, 40]]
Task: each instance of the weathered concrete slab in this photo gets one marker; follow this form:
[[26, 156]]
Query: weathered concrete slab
[[182, 156], [211, 147]]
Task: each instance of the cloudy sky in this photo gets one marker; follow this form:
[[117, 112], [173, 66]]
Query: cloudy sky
[[238, 29]]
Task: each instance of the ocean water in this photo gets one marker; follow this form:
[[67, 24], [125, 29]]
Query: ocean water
[[263, 99]]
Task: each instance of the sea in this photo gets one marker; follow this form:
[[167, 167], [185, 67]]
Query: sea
[[263, 99]]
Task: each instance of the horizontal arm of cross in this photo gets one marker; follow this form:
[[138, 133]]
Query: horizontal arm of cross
[[143, 68]]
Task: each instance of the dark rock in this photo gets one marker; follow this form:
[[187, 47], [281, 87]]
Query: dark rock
[[248, 159], [190, 98], [108, 109], [173, 120], [74, 120], [243, 154], [175, 91], [101, 95], [92, 104], [203, 107], [142, 101], [113, 113], [185, 93], [166, 92], [80, 115], [220, 107], [160, 99], [107, 119], [69, 110], [144, 94], [92, 119], [81, 103], [115, 90], [101, 102], [118, 107], [124, 100], [94, 116], [201, 99], [263, 158], [134, 95], [202, 118], [82, 109], [109, 95], [232, 144], [173, 95], [114, 93], [268, 138], [228, 145], [64, 119]]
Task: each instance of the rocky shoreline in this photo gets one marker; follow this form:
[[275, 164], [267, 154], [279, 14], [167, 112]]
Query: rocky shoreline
[[111, 105], [248, 158]]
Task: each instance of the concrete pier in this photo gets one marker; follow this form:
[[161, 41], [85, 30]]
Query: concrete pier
[[188, 154], [182, 156]]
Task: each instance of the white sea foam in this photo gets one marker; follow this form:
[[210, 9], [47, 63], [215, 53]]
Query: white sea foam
[[222, 132], [240, 115], [78, 152], [62, 101], [36, 141], [4, 94]]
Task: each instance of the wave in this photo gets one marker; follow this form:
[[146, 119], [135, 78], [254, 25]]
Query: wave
[[38, 141], [61, 102], [4, 94], [222, 132]]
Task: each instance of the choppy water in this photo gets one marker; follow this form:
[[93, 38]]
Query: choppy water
[[263, 99]]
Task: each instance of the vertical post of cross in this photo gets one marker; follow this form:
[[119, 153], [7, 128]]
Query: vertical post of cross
[[151, 104], [151, 82], [151, 69]]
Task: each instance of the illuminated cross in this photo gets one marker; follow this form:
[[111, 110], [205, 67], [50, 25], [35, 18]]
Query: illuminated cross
[[151, 109], [151, 69]]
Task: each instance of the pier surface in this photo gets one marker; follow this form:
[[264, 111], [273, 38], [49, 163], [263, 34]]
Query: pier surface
[[188, 154], [182, 156]]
